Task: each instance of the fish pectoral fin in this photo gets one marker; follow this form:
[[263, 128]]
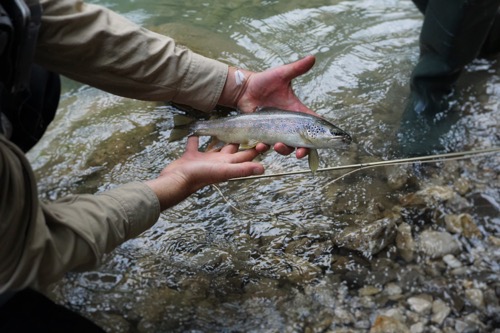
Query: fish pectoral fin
[[214, 144], [313, 159], [249, 144]]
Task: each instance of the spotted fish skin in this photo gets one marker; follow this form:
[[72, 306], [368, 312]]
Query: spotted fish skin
[[269, 126]]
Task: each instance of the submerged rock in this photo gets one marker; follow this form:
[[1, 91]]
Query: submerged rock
[[421, 304], [430, 196], [384, 324], [462, 224], [475, 297], [439, 311], [404, 242], [369, 239], [451, 261], [437, 244]]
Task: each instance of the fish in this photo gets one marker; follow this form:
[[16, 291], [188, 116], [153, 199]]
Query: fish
[[269, 126]]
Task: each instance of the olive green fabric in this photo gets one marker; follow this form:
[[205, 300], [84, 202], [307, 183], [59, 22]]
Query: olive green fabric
[[453, 34]]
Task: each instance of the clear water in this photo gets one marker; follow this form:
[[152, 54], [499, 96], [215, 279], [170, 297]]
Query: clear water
[[216, 262]]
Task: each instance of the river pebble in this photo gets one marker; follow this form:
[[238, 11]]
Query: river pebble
[[421, 304], [368, 239], [475, 297], [384, 324], [451, 261], [462, 224], [404, 242], [440, 310], [437, 244]]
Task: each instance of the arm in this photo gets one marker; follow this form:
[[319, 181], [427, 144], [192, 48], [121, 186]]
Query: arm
[[120, 57], [96, 46], [40, 242]]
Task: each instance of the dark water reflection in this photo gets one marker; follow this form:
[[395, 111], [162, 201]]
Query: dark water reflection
[[255, 256]]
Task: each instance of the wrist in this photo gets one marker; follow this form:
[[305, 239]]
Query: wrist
[[170, 189], [236, 82]]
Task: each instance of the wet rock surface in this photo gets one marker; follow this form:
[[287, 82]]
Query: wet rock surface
[[427, 266]]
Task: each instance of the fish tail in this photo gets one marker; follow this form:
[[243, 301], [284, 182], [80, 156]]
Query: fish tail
[[182, 127]]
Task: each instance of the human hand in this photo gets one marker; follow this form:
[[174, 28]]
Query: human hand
[[270, 88], [196, 169]]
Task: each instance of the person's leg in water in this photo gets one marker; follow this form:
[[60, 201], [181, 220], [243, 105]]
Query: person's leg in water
[[453, 34]]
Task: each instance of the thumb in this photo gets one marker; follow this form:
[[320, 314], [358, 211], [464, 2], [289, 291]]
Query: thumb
[[297, 68]]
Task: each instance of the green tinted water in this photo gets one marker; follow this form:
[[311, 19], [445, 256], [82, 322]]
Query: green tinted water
[[217, 261]]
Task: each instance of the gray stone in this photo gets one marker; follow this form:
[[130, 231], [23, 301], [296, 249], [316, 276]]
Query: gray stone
[[451, 261], [417, 328], [421, 304], [384, 324], [368, 239], [475, 297], [439, 311], [404, 242], [437, 244]]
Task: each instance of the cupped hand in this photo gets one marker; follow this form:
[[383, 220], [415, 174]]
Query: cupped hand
[[273, 88], [196, 169]]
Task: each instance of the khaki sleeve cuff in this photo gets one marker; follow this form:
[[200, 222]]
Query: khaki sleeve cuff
[[140, 204]]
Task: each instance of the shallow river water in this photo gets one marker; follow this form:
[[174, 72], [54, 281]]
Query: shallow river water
[[302, 253]]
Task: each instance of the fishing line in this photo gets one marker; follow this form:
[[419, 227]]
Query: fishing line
[[362, 166]]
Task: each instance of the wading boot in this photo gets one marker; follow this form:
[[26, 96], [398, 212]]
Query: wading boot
[[453, 34]]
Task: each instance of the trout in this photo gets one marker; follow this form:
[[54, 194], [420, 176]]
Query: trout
[[269, 126]]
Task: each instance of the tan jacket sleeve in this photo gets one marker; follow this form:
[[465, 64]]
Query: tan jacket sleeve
[[40, 242], [93, 45]]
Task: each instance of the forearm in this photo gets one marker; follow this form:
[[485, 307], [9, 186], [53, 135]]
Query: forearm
[[101, 48], [41, 242]]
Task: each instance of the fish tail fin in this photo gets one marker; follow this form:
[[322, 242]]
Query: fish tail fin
[[313, 159], [182, 128]]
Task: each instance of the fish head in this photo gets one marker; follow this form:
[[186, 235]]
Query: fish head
[[326, 135], [342, 135]]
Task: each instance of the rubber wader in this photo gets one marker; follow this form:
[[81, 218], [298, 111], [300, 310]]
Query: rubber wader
[[454, 32]]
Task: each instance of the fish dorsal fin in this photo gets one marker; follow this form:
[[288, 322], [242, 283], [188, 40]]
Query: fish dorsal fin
[[181, 127], [181, 120]]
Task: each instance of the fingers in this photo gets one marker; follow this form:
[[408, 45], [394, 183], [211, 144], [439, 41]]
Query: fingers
[[244, 170], [262, 148], [245, 155], [297, 68], [230, 148], [192, 144], [283, 149], [301, 152]]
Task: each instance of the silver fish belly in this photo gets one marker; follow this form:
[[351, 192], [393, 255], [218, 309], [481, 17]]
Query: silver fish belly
[[294, 129], [270, 126]]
